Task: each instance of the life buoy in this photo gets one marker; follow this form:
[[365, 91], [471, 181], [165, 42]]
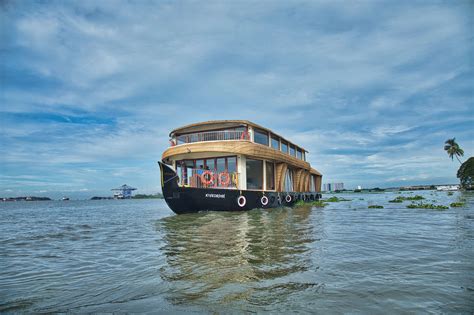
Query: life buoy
[[245, 135], [288, 198], [224, 179], [241, 201], [264, 200], [205, 181], [172, 143]]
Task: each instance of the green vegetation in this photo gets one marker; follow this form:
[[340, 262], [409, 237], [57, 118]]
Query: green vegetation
[[450, 193], [457, 204], [400, 199], [335, 199], [318, 203], [143, 196], [466, 174], [396, 200], [453, 149], [426, 206], [375, 207]]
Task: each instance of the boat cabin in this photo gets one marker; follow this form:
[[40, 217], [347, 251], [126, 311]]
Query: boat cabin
[[239, 154]]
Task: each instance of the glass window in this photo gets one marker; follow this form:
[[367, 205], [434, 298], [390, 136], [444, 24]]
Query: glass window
[[220, 164], [200, 164], [254, 174], [284, 146], [298, 154], [270, 175], [260, 136], [232, 164], [304, 156], [179, 171], [312, 187], [292, 150], [210, 164], [288, 181], [187, 171], [275, 143]]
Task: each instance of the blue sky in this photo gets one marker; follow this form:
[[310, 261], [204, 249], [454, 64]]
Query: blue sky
[[91, 89]]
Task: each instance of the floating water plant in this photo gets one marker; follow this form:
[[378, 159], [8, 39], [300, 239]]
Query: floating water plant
[[375, 207], [400, 199], [426, 206], [456, 204], [336, 199], [317, 203], [396, 200], [450, 193]]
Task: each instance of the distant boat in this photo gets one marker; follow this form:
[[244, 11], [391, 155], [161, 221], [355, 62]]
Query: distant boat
[[65, 198], [448, 188]]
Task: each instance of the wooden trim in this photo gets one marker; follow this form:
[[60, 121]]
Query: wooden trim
[[247, 148]]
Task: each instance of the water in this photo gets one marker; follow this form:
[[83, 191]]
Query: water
[[137, 256]]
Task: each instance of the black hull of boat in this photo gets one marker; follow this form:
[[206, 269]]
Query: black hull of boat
[[189, 200]]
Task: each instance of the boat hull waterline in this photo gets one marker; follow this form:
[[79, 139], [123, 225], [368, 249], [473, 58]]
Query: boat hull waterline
[[189, 200]]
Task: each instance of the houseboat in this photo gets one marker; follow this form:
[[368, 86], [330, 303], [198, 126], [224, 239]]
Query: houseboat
[[234, 165]]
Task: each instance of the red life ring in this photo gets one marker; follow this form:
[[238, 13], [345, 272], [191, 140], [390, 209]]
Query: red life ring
[[205, 181], [245, 135], [224, 179]]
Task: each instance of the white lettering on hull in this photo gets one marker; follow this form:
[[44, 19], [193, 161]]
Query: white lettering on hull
[[215, 195]]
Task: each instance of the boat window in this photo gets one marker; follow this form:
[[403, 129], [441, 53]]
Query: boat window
[[292, 150], [298, 154], [210, 164], [179, 170], [220, 164], [254, 174], [288, 180], [261, 136], [270, 175], [304, 156], [284, 146], [232, 164], [275, 142], [200, 164], [312, 187]]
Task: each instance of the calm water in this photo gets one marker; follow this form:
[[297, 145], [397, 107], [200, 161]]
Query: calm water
[[137, 256]]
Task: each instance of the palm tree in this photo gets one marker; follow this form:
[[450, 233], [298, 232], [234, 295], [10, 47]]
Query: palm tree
[[452, 148]]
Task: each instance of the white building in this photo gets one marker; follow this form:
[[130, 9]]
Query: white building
[[333, 186]]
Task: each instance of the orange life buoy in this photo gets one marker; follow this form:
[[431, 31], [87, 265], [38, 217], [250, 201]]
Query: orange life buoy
[[205, 181], [245, 135], [224, 179]]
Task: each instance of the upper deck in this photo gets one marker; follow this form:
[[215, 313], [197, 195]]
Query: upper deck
[[235, 130]]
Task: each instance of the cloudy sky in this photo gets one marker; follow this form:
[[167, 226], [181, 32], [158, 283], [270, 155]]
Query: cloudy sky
[[91, 89]]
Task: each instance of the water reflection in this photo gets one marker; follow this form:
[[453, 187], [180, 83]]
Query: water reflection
[[211, 255]]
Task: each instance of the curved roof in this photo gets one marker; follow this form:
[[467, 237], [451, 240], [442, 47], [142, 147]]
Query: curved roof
[[222, 124]]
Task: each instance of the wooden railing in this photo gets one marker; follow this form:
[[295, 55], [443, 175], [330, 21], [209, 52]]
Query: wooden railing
[[200, 178], [212, 136]]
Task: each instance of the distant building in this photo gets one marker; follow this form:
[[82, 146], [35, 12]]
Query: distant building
[[333, 186], [123, 192]]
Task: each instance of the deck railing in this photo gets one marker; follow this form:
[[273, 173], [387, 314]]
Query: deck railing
[[199, 178], [213, 136]]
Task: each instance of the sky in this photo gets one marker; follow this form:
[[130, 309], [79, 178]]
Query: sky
[[91, 89]]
